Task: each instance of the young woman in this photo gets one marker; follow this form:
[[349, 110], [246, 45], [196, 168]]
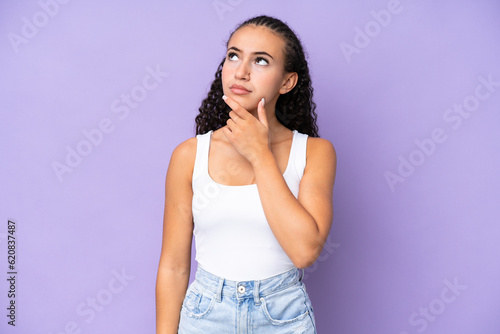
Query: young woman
[[255, 187]]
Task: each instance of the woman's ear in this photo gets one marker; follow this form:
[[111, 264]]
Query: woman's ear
[[289, 82]]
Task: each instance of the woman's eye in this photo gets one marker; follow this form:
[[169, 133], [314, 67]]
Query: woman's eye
[[232, 56], [261, 61]]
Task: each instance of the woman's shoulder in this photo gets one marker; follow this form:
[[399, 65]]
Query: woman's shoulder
[[317, 145], [181, 164], [185, 152], [320, 150], [187, 148]]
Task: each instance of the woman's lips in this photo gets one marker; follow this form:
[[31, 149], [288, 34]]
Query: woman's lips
[[239, 90]]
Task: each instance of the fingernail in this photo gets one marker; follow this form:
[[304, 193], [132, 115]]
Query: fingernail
[[263, 101], [224, 97]]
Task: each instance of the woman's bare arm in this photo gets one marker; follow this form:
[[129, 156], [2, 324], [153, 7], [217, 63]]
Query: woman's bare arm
[[175, 259], [301, 225]]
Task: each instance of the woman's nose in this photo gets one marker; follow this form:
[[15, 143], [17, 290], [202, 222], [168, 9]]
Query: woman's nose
[[242, 72]]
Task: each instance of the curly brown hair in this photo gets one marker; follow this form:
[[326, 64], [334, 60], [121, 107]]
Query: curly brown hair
[[295, 109]]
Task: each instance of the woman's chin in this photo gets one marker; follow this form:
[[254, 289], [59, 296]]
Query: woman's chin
[[245, 102]]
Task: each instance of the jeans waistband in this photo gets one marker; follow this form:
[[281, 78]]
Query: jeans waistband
[[247, 289]]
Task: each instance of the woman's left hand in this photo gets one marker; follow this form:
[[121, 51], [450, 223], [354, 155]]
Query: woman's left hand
[[249, 135]]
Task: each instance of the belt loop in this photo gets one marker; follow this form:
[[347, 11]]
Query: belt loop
[[301, 276], [256, 287], [218, 295]]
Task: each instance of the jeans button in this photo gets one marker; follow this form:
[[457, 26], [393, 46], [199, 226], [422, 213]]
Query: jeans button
[[241, 289]]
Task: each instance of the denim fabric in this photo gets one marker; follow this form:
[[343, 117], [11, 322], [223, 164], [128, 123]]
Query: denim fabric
[[277, 305]]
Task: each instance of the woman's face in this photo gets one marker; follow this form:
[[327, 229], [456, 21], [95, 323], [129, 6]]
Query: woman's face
[[254, 67]]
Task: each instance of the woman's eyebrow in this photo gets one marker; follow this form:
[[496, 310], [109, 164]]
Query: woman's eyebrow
[[255, 53]]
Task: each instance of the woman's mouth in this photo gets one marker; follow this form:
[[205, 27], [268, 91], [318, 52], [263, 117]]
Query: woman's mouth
[[239, 90]]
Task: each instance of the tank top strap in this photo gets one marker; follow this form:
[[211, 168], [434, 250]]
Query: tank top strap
[[201, 162], [299, 150], [297, 154]]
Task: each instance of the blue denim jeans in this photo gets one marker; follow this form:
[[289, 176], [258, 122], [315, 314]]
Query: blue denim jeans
[[276, 305]]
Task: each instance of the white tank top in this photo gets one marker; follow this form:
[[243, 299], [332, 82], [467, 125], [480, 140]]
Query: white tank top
[[232, 236]]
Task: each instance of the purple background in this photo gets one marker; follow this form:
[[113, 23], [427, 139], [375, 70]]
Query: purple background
[[392, 252]]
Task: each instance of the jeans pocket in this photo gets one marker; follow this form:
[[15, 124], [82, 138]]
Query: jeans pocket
[[198, 304], [286, 306]]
